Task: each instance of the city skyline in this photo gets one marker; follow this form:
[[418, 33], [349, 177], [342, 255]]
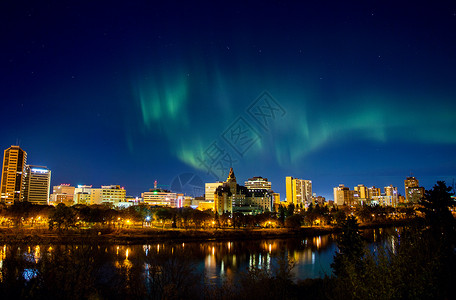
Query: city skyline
[[37, 182], [129, 93]]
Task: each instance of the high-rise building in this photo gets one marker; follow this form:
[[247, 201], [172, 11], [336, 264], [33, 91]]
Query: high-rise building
[[83, 195], [374, 192], [411, 182], [391, 191], [413, 192], [187, 201], [160, 197], [343, 195], [382, 200], [362, 192], [210, 190], [258, 183], [13, 175], [37, 184], [261, 198], [277, 202], [108, 194], [298, 191], [63, 193], [259, 194]]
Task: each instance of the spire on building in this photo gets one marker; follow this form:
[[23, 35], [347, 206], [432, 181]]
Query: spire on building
[[231, 177]]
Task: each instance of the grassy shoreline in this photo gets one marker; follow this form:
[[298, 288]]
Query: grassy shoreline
[[144, 236], [153, 235]]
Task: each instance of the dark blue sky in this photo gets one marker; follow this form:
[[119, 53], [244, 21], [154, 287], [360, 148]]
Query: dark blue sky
[[109, 92]]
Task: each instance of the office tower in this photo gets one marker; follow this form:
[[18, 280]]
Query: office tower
[[63, 193], [210, 190], [298, 191], [108, 194], [187, 201], [259, 195], [37, 184], [411, 182], [391, 191], [160, 197], [413, 192], [258, 183], [83, 195], [362, 191], [13, 174], [259, 199], [343, 195], [277, 202], [374, 192]]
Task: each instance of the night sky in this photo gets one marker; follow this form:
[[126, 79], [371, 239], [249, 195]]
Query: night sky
[[110, 92]]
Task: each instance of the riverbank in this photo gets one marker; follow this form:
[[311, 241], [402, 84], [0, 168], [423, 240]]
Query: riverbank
[[144, 236], [153, 235], [388, 223]]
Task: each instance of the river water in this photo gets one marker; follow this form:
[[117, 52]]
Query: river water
[[216, 261]]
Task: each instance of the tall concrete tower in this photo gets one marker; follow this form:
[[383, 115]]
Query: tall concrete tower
[[37, 184], [13, 175]]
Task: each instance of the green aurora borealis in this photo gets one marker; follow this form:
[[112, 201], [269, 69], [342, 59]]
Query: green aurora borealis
[[133, 93]]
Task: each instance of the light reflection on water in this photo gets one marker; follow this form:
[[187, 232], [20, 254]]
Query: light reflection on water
[[215, 260]]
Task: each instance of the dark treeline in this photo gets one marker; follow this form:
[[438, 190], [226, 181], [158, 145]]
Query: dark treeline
[[61, 217], [418, 264]]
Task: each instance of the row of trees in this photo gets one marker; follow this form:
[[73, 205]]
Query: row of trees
[[63, 217]]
